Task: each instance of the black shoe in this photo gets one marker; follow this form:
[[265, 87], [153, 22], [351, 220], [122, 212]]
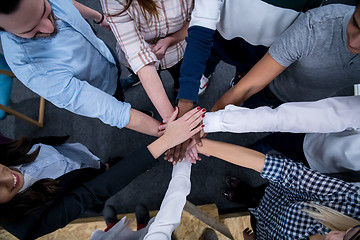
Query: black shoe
[[131, 81], [142, 215], [232, 182], [110, 215], [208, 234]]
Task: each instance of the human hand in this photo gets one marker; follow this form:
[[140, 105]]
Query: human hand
[[105, 24], [160, 48], [178, 131]]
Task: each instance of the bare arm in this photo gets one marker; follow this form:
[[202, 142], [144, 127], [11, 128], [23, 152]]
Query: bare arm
[[155, 90], [87, 12], [143, 123], [162, 45], [235, 154], [255, 80]]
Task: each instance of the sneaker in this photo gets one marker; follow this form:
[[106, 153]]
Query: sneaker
[[204, 82], [208, 234], [142, 216], [234, 81], [131, 81]]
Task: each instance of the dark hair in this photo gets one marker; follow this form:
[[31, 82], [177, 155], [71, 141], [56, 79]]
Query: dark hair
[[36, 196], [149, 9], [9, 6]]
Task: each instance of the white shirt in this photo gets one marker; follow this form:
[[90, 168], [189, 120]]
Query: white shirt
[[168, 217], [333, 127]]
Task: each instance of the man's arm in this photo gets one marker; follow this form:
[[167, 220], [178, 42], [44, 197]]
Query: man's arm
[[296, 117], [89, 13], [255, 80]]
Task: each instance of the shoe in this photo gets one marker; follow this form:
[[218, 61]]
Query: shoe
[[232, 182], [110, 215], [142, 216], [131, 81], [208, 234], [204, 82], [230, 194]]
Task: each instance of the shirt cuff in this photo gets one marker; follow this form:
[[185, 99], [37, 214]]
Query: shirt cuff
[[212, 121]]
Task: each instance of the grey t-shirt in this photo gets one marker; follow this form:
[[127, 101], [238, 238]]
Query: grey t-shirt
[[314, 51]]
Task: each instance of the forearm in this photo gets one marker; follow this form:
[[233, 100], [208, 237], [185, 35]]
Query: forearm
[[184, 106], [143, 123], [237, 155], [198, 49], [87, 12], [297, 117], [254, 81], [179, 35], [155, 90]]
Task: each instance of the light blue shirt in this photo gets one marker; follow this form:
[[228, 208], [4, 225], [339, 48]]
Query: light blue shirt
[[55, 161], [74, 70]]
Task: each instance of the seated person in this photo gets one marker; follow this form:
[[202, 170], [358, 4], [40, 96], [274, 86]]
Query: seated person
[[34, 204], [314, 58], [299, 203], [53, 51]]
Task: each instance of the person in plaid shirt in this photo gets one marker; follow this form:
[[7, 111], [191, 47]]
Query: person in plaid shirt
[[151, 35], [294, 203]]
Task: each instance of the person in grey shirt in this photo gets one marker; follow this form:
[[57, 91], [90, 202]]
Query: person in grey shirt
[[313, 59]]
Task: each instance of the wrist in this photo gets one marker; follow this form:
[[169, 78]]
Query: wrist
[[99, 20]]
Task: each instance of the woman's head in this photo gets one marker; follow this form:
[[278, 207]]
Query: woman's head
[[10, 183], [341, 226], [15, 205]]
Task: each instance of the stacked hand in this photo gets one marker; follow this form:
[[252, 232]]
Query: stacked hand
[[186, 148]]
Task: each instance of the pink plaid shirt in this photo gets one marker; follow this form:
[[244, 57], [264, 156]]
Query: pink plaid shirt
[[135, 36]]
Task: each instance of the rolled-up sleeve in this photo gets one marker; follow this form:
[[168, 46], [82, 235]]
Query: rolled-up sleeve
[[64, 90], [296, 117]]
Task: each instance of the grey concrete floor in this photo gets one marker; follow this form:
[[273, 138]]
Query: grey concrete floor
[[105, 141]]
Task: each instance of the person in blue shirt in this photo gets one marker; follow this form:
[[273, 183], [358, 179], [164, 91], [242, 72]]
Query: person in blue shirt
[[53, 51]]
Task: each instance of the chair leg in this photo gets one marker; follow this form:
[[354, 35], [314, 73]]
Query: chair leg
[[24, 117]]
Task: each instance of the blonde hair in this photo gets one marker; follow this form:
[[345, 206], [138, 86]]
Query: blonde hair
[[330, 218]]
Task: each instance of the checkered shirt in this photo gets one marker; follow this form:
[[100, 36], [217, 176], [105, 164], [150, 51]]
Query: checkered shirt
[[279, 214], [135, 36]]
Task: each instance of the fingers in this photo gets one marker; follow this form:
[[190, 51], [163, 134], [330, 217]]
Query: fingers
[[198, 136], [196, 130], [188, 115], [183, 150], [162, 126], [176, 154], [174, 114]]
